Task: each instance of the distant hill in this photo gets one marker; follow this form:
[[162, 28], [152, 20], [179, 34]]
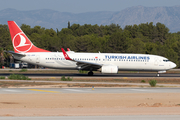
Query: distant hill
[[170, 16]]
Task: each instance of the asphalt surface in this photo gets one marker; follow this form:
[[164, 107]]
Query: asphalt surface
[[123, 117], [86, 90], [95, 75]]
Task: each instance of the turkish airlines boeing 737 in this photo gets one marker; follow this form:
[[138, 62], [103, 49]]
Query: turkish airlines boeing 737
[[24, 50]]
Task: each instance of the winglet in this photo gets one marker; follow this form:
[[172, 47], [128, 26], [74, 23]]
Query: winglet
[[68, 49], [65, 55]]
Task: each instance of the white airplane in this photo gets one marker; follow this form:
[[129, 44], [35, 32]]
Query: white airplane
[[24, 50]]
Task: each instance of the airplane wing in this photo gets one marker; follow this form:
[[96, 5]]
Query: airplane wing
[[82, 65], [13, 53]]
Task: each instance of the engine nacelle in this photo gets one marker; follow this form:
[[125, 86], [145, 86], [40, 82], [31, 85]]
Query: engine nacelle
[[109, 69]]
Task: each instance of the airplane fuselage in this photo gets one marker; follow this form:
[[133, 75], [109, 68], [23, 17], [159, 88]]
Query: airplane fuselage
[[25, 50], [133, 62]]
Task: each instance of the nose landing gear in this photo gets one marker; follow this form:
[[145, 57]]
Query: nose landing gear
[[157, 75], [160, 72]]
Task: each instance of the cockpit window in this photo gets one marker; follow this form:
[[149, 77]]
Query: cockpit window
[[166, 60]]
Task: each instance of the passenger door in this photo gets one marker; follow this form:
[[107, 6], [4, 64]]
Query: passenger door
[[37, 59], [156, 61]]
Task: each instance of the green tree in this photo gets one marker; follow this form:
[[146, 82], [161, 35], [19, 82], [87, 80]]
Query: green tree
[[118, 42], [1, 57], [136, 46]]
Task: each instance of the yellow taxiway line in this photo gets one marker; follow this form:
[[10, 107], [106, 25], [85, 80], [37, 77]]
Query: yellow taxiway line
[[43, 90]]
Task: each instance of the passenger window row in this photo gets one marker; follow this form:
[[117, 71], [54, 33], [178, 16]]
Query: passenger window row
[[88, 59]]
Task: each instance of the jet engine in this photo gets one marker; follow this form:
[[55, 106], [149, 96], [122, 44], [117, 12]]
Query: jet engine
[[109, 69]]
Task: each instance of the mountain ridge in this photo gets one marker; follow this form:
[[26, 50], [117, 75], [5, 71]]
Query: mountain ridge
[[170, 16]]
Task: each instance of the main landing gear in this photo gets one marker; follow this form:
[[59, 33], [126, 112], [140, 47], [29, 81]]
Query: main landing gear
[[90, 73]]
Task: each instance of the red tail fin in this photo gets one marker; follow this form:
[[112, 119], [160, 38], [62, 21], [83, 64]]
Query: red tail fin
[[20, 41]]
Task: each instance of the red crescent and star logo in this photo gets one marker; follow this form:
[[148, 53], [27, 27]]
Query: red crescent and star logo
[[21, 43]]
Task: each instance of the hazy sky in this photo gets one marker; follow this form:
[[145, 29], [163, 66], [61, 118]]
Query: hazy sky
[[80, 6]]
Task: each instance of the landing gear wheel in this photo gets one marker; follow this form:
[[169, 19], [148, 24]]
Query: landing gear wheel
[[90, 73]]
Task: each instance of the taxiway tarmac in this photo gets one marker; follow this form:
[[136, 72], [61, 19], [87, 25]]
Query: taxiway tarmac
[[123, 117], [96, 75], [86, 90]]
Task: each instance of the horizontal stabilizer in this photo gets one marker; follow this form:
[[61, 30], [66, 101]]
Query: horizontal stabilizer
[[12, 52]]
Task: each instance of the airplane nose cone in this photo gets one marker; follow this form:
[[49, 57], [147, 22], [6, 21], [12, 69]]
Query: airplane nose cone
[[173, 65]]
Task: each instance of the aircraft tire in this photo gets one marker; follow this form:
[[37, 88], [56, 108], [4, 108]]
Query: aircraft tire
[[90, 73], [157, 75]]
